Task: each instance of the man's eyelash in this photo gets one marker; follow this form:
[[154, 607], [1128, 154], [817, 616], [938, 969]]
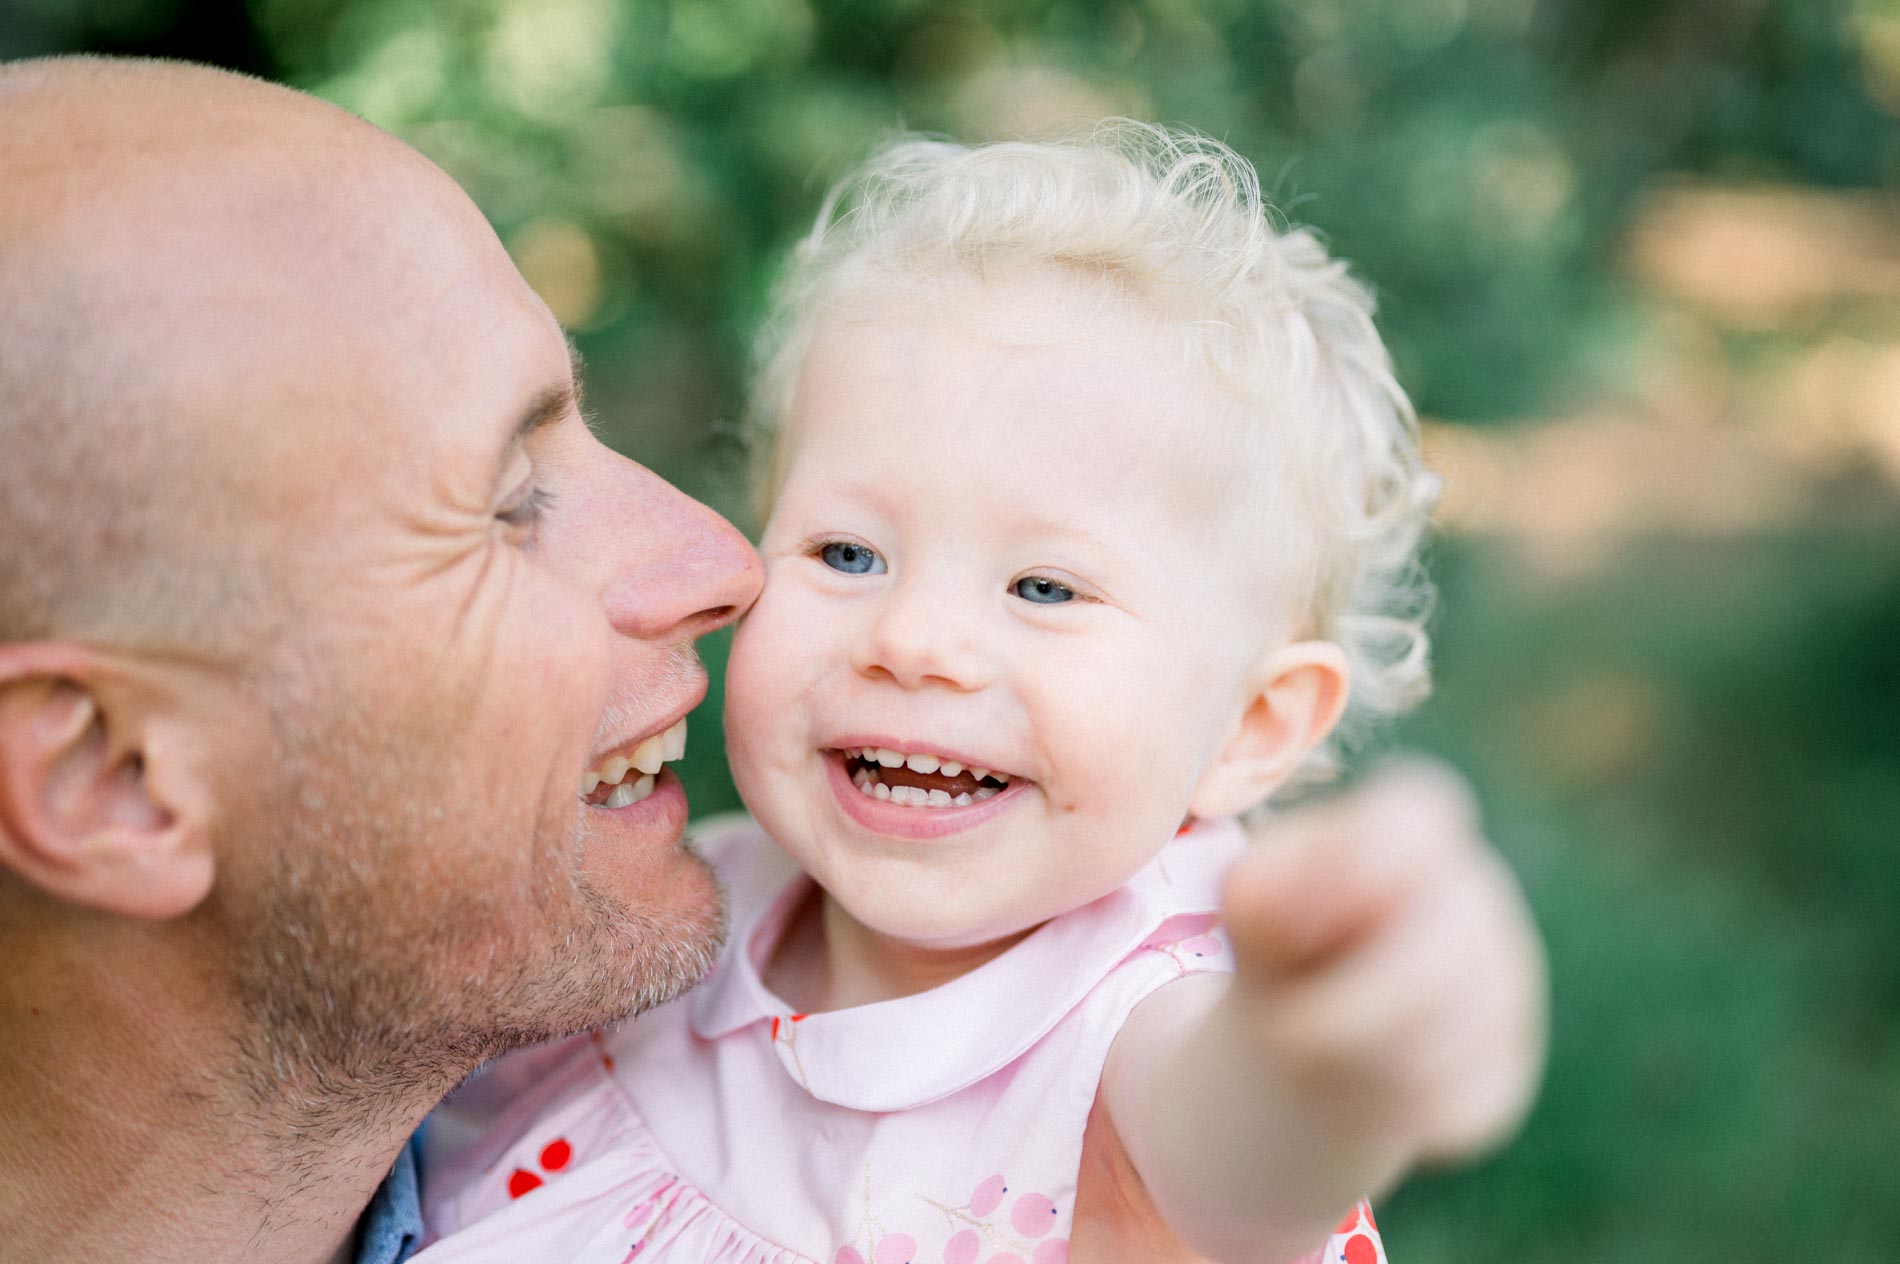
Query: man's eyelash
[[531, 509]]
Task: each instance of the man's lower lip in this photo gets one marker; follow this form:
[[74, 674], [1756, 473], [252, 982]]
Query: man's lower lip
[[900, 821]]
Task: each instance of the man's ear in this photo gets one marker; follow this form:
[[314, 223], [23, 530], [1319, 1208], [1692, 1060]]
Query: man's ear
[[1293, 700], [81, 816]]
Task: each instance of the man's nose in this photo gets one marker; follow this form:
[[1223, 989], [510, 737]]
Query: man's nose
[[918, 637], [688, 570]]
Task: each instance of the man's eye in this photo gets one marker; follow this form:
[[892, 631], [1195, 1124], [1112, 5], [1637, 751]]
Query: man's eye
[[1044, 592], [851, 559], [526, 508]]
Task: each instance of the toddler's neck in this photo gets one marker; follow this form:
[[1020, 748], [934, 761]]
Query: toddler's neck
[[828, 960]]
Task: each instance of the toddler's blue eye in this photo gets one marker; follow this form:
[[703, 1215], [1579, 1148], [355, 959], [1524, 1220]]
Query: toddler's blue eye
[[852, 559], [1044, 592]]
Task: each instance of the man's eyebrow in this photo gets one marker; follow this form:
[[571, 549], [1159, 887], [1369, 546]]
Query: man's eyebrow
[[548, 406]]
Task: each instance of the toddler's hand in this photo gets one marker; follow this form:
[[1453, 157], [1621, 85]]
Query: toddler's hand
[[1388, 963]]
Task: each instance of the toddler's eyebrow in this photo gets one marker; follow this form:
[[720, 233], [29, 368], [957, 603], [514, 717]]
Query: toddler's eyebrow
[[1069, 530]]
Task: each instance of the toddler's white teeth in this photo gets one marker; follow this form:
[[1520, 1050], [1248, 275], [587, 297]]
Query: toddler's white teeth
[[870, 758], [589, 783], [615, 769], [673, 742], [914, 796]]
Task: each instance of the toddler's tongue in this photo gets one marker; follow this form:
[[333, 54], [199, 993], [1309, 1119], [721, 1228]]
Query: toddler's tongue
[[962, 783]]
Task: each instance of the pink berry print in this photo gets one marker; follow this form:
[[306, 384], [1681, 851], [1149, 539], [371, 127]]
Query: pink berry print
[[1350, 1223], [848, 1255], [895, 1248], [987, 1196], [962, 1247], [1054, 1251], [1359, 1250], [1201, 946], [1033, 1215]]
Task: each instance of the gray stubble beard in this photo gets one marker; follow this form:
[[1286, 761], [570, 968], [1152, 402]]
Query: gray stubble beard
[[360, 1014]]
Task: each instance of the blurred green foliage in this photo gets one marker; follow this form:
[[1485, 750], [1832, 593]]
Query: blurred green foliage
[[1477, 158], [1689, 750], [1719, 882]]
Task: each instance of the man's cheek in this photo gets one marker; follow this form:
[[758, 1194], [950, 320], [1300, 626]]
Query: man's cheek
[[550, 684]]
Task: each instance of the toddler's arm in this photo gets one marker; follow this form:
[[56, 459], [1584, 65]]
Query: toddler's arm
[[1388, 1009]]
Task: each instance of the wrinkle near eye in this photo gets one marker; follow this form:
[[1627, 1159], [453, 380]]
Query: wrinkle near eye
[[497, 569]]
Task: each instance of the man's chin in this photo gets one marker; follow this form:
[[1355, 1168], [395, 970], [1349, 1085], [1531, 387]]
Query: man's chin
[[636, 855], [664, 933]]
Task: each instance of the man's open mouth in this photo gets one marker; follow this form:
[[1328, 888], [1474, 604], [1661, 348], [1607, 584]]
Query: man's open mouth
[[919, 779], [627, 778]]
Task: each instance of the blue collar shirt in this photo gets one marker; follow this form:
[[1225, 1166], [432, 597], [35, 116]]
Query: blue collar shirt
[[391, 1228]]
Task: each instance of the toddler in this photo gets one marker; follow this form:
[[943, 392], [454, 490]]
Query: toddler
[[1093, 518]]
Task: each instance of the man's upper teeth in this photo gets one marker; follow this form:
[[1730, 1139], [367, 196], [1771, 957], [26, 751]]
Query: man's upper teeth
[[646, 759]]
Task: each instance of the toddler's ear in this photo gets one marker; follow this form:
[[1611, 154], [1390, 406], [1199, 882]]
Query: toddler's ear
[[1296, 696]]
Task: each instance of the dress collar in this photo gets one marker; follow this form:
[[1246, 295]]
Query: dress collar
[[897, 1054]]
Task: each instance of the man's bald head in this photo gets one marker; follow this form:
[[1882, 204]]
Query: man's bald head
[[162, 228]]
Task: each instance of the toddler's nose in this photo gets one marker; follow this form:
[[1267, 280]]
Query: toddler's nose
[[917, 639]]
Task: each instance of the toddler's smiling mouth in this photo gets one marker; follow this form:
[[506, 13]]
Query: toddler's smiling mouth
[[919, 779]]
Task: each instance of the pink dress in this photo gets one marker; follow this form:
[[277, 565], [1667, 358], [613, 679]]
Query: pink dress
[[726, 1129]]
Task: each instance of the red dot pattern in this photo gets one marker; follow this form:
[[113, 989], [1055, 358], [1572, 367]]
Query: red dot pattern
[[1359, 1250]]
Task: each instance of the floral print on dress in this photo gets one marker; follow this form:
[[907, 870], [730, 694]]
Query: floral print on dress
[[996, 1226], [1191, 955], [1356, 1240], [785, 1032], [641, 1221], [1001, 1226]]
